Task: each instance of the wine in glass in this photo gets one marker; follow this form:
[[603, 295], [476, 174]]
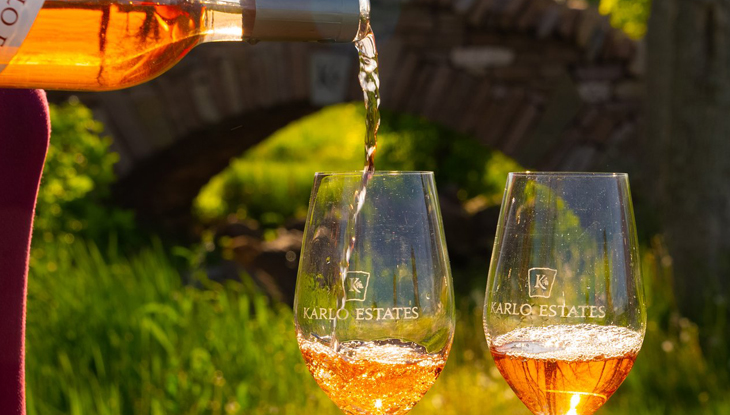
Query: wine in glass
[[564, 313], [374, 304]]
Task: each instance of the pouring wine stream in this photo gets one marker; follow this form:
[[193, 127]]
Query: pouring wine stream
[[370, 83]]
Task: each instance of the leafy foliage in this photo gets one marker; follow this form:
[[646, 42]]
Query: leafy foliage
[[272, 181], [73, 197], [629, 15]]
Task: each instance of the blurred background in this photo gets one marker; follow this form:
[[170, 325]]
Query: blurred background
[[170, 216]]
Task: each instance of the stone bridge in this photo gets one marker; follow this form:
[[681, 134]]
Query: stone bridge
[[553, 86]]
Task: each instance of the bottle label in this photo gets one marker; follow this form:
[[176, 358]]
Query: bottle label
[[16, 18]]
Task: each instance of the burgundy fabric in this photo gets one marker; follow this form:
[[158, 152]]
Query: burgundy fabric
[[24, 133]]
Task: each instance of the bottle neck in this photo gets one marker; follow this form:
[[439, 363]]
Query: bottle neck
[[222, 21], [284, 20]]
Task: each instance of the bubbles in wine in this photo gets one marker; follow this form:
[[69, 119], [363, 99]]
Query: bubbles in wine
[[379, 377], [569, 342], [565, 369]]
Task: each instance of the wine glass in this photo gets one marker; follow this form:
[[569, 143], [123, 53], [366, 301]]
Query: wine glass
[[564, 312], [374, 303]]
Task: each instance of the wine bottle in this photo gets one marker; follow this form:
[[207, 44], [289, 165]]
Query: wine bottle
[[112, 44]]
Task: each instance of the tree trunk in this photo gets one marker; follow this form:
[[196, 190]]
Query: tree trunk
[[688, 143]]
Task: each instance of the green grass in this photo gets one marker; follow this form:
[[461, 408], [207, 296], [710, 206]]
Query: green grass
[[113, 335], [125, 336]]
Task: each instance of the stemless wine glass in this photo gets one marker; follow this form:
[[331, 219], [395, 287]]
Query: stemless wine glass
[[374, 332], [564, 313]]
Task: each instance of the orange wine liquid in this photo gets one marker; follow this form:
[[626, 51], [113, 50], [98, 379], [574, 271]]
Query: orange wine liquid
[[100, 45], [566, 370], [378, 378]]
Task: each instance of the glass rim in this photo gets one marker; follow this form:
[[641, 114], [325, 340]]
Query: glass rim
[[359, 173], [566, 174]]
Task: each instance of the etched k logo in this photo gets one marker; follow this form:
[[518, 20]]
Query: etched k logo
[[356, 285], [541, 282]]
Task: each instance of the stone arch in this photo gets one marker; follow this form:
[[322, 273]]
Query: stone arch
[[554, 87]]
